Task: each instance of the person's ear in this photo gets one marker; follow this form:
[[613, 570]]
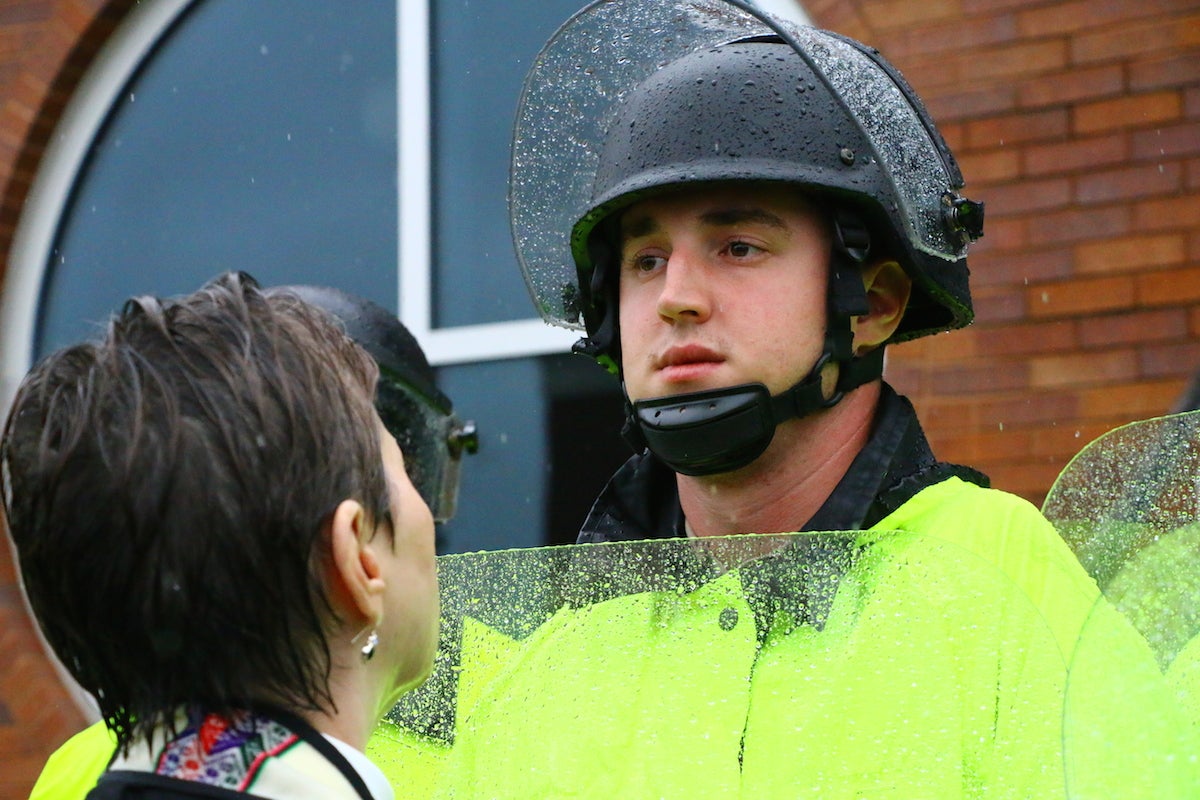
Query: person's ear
[[355, 565], [888, 289]]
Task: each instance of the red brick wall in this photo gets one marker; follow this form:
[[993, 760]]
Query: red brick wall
[[1077, 121], [44, 48]]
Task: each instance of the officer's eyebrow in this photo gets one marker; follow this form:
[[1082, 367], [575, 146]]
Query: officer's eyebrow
[[645, 224], [636, 227], [737, 216]]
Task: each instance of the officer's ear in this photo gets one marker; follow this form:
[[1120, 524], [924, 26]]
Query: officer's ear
[[888, 289]]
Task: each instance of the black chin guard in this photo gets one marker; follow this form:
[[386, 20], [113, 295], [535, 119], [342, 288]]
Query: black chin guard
[[722, 430], [703, 433]]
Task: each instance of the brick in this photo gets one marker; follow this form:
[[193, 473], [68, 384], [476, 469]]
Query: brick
[[1158, 72], [1193, 174], [998, 304], [1137, 327], [1072, 17], [990, 6], [904, 378], [1017, 128], [955, 134], [1029, 339], [941, 416], [1132, 111], [1173, 360], [992, 377], [1167, 141], [1181, 212], [1082, 369], [1169, 287], [1027, 196], [1062, 442], [1194, 322], [1040, 265], [1001, 233], [887, 14], [1025, 408], [982, 447], [1017, 60], [1078, 224], [1074, 155], [1130, 253], [24, 11], [954, 346], [1139, 400], [1030, 479], [1157, 36], [1129, 183], [1071, 86], [957, 35], [971, 103], [1084, 296], [990, 166], [1191, 101]]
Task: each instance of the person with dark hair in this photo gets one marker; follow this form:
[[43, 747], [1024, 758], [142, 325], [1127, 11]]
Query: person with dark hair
[[220, 541]]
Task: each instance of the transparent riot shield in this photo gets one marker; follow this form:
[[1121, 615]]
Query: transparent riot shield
[[866, 664], [1129, 504]]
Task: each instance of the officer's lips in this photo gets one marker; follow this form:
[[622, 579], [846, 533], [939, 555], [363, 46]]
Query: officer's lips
[[687, 363]]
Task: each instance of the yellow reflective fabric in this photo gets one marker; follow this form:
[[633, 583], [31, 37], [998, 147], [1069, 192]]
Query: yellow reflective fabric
[[1011, 534], [411, 763], [932, 678], [1184, 679], [641, 696], [73, 769], [414, 764], [919, 684]]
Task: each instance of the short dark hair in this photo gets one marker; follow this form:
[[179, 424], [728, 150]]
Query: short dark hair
[[166, 488]]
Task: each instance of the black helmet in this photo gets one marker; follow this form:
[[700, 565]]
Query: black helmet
[[409, 403], [636, 97], [615, 107], [755, 111]]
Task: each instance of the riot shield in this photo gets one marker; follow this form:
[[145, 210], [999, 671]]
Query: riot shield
[[1129, 505], [863, 664]]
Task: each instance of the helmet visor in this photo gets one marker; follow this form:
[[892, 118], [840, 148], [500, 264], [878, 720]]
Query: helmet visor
[[432, 440], [575, 88]]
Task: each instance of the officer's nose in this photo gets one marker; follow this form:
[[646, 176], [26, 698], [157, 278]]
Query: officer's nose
[[685, 293]]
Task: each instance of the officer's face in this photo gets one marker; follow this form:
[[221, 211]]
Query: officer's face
[[721, 285]]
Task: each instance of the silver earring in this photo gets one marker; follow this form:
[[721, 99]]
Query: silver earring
[[368, 649]]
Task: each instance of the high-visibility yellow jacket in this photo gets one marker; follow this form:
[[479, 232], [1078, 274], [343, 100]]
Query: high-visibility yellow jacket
[[938, 668]]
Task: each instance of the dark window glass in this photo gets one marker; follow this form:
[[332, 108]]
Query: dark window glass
[[262, 136], [258, 136], [482, 53]]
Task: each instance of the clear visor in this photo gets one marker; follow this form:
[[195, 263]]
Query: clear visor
[[577, 81], [433, 442]]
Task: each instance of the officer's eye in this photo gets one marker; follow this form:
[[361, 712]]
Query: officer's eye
[[647, 263], [741, 249]]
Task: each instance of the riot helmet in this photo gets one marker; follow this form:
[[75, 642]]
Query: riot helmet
[[715, 91], [409, 403]]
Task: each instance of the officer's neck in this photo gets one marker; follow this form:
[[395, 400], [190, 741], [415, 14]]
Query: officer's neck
[[782, 489]]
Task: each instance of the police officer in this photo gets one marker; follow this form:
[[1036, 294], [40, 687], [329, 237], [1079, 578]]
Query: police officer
[[742, 215]]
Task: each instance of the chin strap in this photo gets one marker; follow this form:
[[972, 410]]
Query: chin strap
[[721, 430]]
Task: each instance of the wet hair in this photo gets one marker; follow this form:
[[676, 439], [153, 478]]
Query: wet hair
[[168, 488]]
